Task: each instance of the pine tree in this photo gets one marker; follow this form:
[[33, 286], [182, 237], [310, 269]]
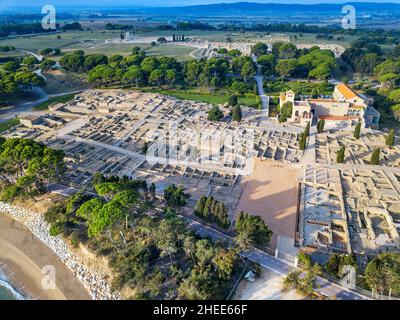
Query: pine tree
[[340, 155], [357, 131], [200, 204], [375, 157], [390, 139]]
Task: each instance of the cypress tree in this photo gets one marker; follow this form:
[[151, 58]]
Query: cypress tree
[[152, 190], [320, 126], [340, 155], [237, 113], [375, 156], [207, 208], [302, 141], [307, 129], [200, 204], [357, 131], [390, 139]]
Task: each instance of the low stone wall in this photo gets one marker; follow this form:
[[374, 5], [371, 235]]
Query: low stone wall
[[95, 283]]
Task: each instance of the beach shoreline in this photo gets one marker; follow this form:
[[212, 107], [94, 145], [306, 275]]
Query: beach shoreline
[[26, 247]]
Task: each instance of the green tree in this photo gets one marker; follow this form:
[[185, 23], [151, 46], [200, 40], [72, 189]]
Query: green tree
[[307, 129], [215, 114], [237, 113], [304, 259], [199, 207], [171, 76], [286, 68], [389, 141], [248, 70], [382, 274], [134, 73], [302, 141], [175, 196], [357, 131], [286, 111], [238, 87], [232, 100], [375, 156], [224, 261], [320, 126], [156, 76], [340, 155], [252, 231]]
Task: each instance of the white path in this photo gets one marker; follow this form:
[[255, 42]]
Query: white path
[[260, 86]]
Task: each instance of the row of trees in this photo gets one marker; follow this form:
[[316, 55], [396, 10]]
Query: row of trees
[[288, 61], [211, 210], [137, 69]]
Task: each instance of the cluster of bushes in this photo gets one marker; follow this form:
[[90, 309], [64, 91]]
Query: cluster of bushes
[[211, 210]]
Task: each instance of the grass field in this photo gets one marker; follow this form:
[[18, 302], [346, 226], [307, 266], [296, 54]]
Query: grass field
[[90, 39], [64, 81], [218, 97], [61, 99], [8, 124], [181, 53]]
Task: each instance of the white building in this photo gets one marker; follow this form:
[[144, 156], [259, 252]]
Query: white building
[[346, 105]]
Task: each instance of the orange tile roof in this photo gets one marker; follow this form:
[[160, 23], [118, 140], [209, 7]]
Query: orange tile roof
[[355, 106], [346, 91], [337, 117]]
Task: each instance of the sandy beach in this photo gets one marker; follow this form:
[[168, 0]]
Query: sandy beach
[[271, 192], [22, 257]]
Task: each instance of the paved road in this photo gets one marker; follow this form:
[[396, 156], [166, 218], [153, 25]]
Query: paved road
[[268, 261], [26, 108], [260, 85]]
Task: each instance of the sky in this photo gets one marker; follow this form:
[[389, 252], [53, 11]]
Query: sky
[[29, 3], [114, 3]]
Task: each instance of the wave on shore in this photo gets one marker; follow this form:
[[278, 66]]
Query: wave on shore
[[9, 288]]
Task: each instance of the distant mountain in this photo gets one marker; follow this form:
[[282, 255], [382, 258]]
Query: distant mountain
[[252, 8]]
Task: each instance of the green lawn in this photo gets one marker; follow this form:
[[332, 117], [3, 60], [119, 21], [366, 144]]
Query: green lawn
[[61, 99], [180, 53], [8, 124], [219, 97]]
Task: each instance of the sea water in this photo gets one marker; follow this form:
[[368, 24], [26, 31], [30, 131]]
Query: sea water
[[8, 292]]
